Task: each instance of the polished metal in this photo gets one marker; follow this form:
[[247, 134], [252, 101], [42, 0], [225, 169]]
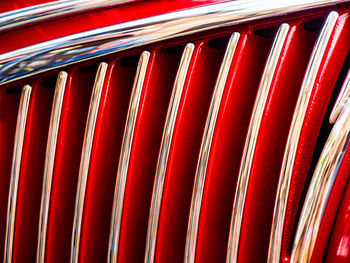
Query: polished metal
[[70, 49], [342, 99], [49, 163], [294, 135], [15, 170], [321, 186], [251, 140], [85, 159], [125, 156], [164, 152], [201, 170], [52, 10]]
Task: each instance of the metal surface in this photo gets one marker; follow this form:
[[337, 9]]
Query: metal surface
[[164, 152], [251, 140], [15, 170], [294, 135], [49, 163], [51, 10], [85, 159], [201, 170], [124, 157], [342, 99], [321, 185], [86, 45]]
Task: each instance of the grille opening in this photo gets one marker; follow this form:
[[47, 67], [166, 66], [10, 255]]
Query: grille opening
[[50, 82], [218, 43], [321, 140], [314, 25], [269, 32], [130, 61], [92, 68], [14, 90], [174, 50]]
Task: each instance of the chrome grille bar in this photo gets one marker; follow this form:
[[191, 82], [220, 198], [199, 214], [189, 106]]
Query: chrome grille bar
[[15, 171], [124, 157], [164, 152], [294, 135], [85, 159], [49, 163], [251, 140], [192, 228], [322, 182], [70, 49]]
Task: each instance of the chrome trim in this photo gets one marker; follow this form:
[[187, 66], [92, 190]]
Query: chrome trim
[[251, 140], [51, 10], [49, 163], [85, 159], [201, 170], [123, 166], [294, 135], [74, 48], [320, 187], [164, 152], [342, 99], [15, 170]]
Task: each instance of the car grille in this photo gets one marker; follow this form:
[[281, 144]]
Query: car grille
[[200, 148]]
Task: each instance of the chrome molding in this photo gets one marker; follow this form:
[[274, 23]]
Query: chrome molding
[[201, 170], [251, 140], [85, 159], [124, 157], [164, 152], [49, 163], [342, 99], [294, 135], [15, 170], [51, 10], [321, 184], [70, 49]]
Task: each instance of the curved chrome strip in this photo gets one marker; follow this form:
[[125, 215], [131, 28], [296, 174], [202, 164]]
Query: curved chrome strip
[[49, 163], [321, 186], [196, 202], [86, 45], [164, 152], [124, 157], [250, 143], [85, 159], [16, 166], [52, 10], [294, 135], [342, 99]]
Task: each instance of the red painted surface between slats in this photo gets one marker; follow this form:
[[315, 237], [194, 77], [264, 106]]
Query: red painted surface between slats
[[69, 145], [30, 177], [9, 103], [227, 146], [144, 154], [104, 162], [188, 129], [331, 65]]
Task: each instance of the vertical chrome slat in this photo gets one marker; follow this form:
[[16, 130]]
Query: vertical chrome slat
[[193, 220], [322, 181], [49, 163], [294, 135], [85, 159], [250, 143], [15, 169], [164, 152], [124, 157]]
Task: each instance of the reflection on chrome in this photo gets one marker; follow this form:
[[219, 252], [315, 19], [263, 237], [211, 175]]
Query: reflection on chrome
[[164, 152], [51, 10], [321, 185], [124, 157], [85, 159], [98, 42], [49, 163], [201, 170], [251, 140], [342, 99], [15, 170], [294, 135]]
